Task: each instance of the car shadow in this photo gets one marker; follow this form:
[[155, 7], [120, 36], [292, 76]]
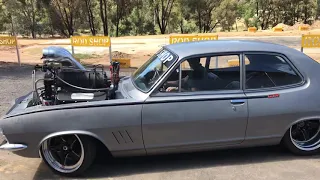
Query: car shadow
[[107, 167]]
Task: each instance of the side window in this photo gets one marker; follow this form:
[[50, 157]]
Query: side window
[[206, 74], [265, 70]]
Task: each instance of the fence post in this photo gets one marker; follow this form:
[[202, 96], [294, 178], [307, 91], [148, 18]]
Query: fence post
[[18, 53], [72, 48], [110, 51]]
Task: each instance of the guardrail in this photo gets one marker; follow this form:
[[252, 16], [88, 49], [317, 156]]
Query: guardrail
[[303, 28], [252, 29], [277, 29]]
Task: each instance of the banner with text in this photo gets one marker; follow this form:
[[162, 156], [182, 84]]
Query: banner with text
[[310, 41], [189, 38], [8, 41], [97, 41]]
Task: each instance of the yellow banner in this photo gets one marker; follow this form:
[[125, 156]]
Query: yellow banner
[[124, 63], [310, 41], [189, 38], [8, 41], [97, 41]]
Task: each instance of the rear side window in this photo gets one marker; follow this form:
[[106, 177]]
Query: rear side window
[[267, 70]]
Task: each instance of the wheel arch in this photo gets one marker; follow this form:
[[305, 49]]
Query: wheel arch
[[298, 120], [77, 132]]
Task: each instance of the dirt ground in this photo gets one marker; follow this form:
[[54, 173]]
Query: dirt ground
[[138, 48]]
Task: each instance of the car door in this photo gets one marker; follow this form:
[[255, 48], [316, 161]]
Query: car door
[[274, 88], [197, 120]]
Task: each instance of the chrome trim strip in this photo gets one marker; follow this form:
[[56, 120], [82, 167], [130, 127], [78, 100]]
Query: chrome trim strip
[[13, 147]]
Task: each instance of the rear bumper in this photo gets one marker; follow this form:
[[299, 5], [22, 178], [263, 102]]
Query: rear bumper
[[12, 147]]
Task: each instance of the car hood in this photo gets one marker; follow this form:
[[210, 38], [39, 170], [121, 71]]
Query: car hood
[[127, 94]]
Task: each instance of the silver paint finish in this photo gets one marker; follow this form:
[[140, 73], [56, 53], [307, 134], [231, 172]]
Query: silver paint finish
[[192, 121], [139, 123]]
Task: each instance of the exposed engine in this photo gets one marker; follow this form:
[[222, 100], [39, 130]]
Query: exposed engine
[[67, 81]]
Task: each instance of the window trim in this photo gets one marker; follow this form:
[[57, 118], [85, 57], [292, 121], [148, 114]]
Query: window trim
[[157, 93], [286, 59]]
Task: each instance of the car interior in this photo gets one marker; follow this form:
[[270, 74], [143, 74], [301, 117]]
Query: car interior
[[262, 71]]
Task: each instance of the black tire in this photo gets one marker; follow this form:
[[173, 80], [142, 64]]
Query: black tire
[[287, 143], [89, 147]]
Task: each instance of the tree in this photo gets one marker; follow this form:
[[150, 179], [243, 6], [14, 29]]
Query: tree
[[103, 4], [162, 11], [141, 19], [65, 11], [318, 10], [202, 13], [27, 14], [89, 9], [122, 10], [227, 14], [4, 18]]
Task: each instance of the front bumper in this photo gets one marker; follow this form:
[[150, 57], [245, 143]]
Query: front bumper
[[12, 147], [5, 145]]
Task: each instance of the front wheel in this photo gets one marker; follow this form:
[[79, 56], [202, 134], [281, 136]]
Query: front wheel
[[68, 155], [303, 138]]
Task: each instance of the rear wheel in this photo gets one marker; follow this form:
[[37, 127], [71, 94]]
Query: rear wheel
[[68, 154], [303, 138]]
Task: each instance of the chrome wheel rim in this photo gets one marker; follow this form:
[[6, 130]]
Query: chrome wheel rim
[[64, 153], [305, 135]]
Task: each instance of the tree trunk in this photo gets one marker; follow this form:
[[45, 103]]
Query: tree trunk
[[90, 17], [118, 21], [117, 29], [236, 26], [103, 16], [181, 27], [33, 33], [33, 28]]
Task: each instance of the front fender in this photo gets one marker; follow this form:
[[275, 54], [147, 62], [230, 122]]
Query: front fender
[[118, 127]]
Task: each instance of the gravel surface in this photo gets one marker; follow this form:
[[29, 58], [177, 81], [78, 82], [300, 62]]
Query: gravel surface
[[254, 163], [15, 81]]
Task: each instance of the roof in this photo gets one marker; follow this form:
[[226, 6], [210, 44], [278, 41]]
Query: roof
[[224, 46]]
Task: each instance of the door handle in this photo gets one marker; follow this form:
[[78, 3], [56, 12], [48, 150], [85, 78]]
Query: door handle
[[238, 101]]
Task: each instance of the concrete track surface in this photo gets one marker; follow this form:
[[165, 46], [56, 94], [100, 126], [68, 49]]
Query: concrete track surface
[[238, 164]]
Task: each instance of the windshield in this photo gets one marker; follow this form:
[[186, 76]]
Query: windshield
[[148, 74]]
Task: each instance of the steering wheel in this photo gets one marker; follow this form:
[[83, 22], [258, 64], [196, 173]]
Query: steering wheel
[[155, 75]]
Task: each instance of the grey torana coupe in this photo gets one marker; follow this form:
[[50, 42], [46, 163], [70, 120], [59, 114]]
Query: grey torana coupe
[[187, 97]]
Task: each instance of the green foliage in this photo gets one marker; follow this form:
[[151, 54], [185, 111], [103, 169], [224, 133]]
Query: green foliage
[[138, 17], [4, 17], [226, 14]]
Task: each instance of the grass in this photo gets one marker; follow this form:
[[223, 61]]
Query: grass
[[86, 56]]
